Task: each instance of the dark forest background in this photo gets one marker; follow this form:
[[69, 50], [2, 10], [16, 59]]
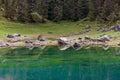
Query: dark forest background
[[57, 10]]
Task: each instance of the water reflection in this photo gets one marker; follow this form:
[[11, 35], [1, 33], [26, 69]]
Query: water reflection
[[117, 51], [106, 47], [53, 64]]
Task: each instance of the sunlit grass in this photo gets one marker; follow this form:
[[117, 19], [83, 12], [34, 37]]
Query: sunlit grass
[[60, 28]]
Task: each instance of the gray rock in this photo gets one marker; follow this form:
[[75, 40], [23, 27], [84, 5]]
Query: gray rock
[[87, 38], [28, 41], [13, 40], [13, 35], [4, 45], [118, 44], [63, 41], [104, 38], [87, 27], [117, 27], [41, 38]]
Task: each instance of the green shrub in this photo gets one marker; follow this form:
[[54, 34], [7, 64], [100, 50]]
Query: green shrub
[[38, 18]]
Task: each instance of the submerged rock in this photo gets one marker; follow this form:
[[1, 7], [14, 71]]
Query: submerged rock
[[1, 78]]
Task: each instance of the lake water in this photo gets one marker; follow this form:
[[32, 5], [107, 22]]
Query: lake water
[[53, 64]]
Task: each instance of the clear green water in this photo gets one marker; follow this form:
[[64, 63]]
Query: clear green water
[[52, 64]]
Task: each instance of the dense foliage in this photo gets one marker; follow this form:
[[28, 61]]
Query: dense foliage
[[56, 10]]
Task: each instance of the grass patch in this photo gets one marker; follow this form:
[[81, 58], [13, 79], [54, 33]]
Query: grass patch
[[61, 28]]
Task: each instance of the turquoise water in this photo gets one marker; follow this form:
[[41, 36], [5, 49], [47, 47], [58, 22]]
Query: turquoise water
[[64, 72], [52, 64]]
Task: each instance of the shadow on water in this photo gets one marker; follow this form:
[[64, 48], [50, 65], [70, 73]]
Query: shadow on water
[[52, 64]]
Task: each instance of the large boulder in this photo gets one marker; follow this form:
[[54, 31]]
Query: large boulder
[[105, 38], [41, 38], [63, 41]]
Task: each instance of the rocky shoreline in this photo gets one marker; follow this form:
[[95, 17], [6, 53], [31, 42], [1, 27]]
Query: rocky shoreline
[[18, 40]]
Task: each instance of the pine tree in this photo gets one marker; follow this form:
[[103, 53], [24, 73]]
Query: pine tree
[[115, 15], [58, 11], [42, 7], [95, 8], [107, 9], [31, 9], [82, 9], [22, 11]]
